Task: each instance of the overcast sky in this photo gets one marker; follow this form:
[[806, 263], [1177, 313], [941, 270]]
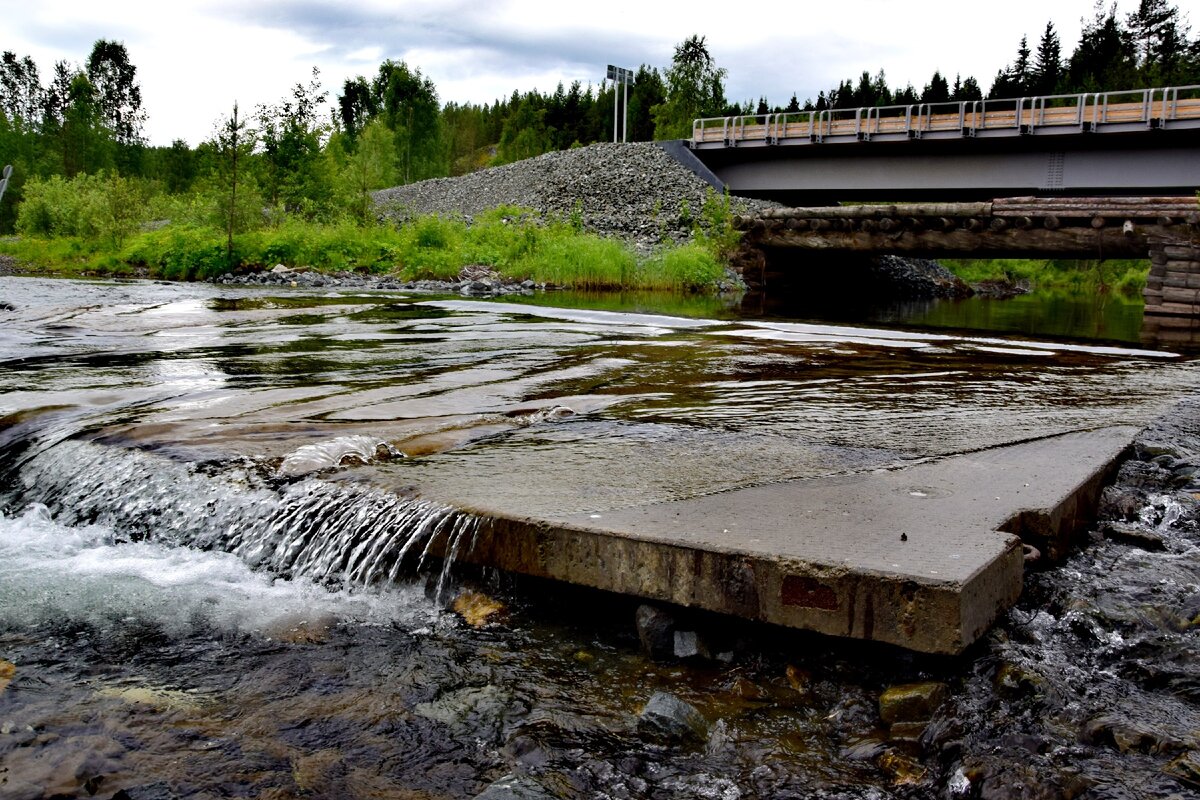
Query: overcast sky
[[194, 58]]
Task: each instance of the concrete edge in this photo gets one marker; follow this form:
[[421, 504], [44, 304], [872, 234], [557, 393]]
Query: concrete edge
[[920, 614], [678, 150]]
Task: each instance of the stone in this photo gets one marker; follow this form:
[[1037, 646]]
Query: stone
[[478, 610], [1014, 680], [903, 770], [478, 711], [656, 631], [911, 702], [1185, 769], [689, 644], [669, 720], [1133, 536], [1128, 736]]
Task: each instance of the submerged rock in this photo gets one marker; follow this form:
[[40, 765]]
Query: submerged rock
[[911, 702], [515, 787], [1185, 769], [670, 720], [478, 609]]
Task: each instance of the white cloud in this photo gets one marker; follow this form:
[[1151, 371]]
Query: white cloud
[[196, 57]]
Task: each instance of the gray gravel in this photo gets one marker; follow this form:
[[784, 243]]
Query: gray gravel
[[632, 191]]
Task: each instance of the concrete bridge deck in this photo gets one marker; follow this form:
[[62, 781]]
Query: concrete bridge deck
[[1140, 142], [925, 557]]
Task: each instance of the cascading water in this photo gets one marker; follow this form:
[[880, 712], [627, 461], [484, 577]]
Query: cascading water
[[337, 534]]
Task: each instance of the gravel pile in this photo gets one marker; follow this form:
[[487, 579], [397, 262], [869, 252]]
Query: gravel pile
[[633, 191]]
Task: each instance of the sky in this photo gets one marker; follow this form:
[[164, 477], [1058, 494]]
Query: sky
[[195, 58]]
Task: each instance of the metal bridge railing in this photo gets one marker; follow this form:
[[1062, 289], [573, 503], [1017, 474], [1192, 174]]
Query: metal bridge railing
[[1090, 111]]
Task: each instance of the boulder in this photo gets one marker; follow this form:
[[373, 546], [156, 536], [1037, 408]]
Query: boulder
[[669, 720]]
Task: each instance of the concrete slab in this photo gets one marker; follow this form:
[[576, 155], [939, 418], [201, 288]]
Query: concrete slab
[[925, 557]]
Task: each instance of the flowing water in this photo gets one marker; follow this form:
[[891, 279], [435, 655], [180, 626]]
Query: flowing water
[[220, 511]]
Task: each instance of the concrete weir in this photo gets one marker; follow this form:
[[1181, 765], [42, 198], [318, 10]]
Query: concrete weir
[[925, 557]]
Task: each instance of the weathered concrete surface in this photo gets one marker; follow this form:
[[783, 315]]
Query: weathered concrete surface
[[924, 557]]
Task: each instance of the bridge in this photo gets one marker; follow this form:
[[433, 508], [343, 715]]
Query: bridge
[[1137, 142], [1097, 175]]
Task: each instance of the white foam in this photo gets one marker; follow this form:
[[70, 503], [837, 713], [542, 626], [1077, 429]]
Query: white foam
[[49, 571]]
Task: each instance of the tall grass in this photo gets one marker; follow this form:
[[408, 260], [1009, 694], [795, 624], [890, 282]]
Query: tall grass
[[511, 241]]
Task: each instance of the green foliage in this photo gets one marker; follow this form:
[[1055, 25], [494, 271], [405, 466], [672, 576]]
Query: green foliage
[[104, 208], [371, 166], [181, 252], [695, 87], [295, 174], [716, 233], [579, 261], [691, 268], [1119, 277]]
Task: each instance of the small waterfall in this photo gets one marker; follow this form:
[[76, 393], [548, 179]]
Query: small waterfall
[[340, 535]]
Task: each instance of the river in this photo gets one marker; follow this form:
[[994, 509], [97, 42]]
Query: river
[[213, 580]]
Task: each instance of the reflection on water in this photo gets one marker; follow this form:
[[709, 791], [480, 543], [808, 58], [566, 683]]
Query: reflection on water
[[1103, 317]]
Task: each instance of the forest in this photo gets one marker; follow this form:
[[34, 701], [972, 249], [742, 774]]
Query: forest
[[84, 172]]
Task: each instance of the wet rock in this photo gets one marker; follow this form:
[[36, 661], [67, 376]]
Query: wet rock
[[478, 609], [904, 770], [1128, 736], [689, 644], [8, 671], [480, 711], [1120, 503], [743, 688], [911, 702], [656, 631], [149, 791], [1185, 769], [155, 697], [301, 628], [315, 771], [910, 732], [1016, 780], [1014, 680], [799, 679], [515, 787], [1133, 536], [670, 720]]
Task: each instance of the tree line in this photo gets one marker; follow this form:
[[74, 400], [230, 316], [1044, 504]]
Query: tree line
[[294, 157]]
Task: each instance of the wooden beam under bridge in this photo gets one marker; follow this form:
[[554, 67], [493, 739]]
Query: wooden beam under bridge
[[1005, 228], [1164, 229]]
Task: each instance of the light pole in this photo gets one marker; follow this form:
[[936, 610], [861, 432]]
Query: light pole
[[624, 77]]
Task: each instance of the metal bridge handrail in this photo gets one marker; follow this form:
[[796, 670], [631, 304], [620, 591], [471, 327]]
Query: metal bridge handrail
[[1154, 107]]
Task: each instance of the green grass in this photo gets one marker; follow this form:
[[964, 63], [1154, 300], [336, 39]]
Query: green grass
[[1118, 277], [511, 241]]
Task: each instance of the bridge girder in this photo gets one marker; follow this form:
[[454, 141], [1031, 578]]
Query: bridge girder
[[1148, 163]]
